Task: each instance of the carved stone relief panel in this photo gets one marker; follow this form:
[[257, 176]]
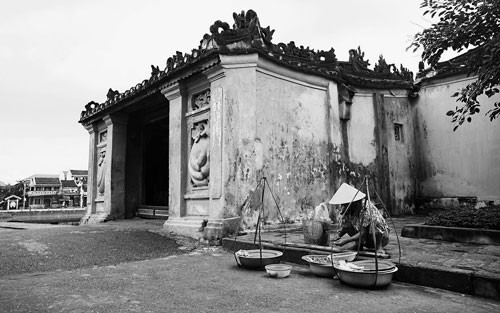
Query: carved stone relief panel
[[199, 155], [101, 170], [198, 142], [103, 136], [101, 162], [200, 100]]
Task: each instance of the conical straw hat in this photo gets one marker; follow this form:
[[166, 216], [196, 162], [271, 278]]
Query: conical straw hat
[[346, 194]]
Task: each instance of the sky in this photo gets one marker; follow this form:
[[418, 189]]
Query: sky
[[58, 55]]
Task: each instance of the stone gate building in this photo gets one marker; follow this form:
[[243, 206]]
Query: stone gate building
[[196, 137]]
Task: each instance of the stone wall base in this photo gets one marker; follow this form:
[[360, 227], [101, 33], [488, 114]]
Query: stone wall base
[[186, 226], [96, 218], [200, 227], [217, 229]]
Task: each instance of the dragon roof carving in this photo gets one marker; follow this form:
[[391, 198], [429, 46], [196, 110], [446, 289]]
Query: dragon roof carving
[[247, 35]]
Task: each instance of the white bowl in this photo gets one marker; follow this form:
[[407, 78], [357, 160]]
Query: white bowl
[[278, 270]]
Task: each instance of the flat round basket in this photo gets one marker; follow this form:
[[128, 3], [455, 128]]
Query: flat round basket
[[252, 259]]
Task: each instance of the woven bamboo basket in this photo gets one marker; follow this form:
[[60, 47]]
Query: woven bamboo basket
[[316, 232]]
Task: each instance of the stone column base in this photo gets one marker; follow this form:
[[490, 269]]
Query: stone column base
[[217, 229], [201, 227], [186, 226], [96, 218]]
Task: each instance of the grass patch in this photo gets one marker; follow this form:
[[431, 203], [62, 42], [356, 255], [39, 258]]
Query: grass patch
[[469, 217]]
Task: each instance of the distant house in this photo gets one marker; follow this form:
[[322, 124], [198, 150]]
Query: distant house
[[12, 202], [70, 193], [2, 185], [76, 175], [43, 191], [74, 187]]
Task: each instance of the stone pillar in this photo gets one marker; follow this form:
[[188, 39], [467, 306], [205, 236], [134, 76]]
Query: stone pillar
[[106, 180], [92, 170], [176, 156], [114, 195], [177, 221], [218, 225], [216, 133]]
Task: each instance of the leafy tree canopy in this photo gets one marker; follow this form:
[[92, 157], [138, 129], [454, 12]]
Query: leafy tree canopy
[[9, 190], [462, 25]]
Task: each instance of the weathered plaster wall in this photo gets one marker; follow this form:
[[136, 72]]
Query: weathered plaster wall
[[278, 127], [358, 132], [401, 156], [238, 139], [461, 163], [292, 126], [374, 151], [361, 129]]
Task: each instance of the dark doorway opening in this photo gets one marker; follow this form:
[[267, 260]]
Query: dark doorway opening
[[155, 164]]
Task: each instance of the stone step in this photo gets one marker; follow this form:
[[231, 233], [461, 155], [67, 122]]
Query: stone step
[[153, 212]]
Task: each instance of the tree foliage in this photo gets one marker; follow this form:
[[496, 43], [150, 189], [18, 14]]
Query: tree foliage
[[17, 190], [462, 25]]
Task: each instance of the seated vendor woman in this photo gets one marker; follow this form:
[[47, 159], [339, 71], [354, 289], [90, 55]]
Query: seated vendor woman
[[357, 220]]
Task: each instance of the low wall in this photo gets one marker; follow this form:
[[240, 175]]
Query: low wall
[[453, 234], [43, 215]]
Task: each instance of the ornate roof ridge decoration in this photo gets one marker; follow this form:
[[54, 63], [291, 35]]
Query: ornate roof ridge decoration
[[247, 35], [391, 71], [358, 66], [357, 61], [460, 64]]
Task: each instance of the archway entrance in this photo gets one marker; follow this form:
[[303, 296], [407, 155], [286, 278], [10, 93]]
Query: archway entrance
[[155, 164], [147, 159], [154, 195]]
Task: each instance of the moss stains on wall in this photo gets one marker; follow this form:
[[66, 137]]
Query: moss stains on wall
[[300, 177]]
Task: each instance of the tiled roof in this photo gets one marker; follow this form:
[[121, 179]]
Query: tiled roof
[[247, 36], [79, 172], [47, 181], [13, 197], [68, 184], [458, 65]]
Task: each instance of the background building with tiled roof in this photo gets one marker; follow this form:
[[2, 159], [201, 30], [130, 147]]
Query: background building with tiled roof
[[74, 187], [42, 191]]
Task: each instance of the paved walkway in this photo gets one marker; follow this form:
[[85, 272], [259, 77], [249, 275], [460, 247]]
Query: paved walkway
[[465, 268], [135, 266], [461, 267]]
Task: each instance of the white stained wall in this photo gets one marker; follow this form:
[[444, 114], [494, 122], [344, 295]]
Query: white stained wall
[[278, 124], [461, 163]]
